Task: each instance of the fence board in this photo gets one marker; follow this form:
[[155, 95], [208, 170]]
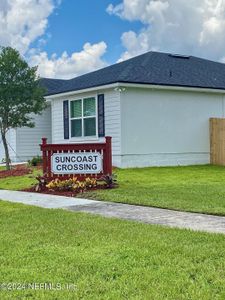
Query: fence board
[[217, 141]]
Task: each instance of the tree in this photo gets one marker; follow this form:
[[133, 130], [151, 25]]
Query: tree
[[20, 94]]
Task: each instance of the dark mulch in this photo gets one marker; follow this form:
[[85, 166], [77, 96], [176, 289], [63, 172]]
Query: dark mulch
[[18, 170], [51, 192], [62, 193]]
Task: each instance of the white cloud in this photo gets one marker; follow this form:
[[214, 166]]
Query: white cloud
[[134, 43], [23, 21], [67, 66], [190, 27]]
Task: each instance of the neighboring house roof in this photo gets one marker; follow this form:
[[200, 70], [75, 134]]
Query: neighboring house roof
[[150, 68], [51, 85]]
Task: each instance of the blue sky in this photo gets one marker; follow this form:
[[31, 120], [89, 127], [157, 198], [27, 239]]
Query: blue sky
[[67, 38], [74, 23]]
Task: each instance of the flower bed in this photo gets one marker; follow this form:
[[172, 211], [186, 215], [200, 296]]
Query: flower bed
[[72, 186], [18, 170]]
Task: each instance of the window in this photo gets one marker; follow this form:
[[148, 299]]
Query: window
[[83, 117]]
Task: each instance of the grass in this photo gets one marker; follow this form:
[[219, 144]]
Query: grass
[[16, 183], [192, 188], [106, 258]]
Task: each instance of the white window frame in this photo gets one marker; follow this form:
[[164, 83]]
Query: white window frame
[[82, 137]]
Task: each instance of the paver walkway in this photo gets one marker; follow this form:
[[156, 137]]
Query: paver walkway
[[142, 214]]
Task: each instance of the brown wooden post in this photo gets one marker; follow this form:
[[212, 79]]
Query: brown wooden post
[[108, 154], [44, 154], [44, 141], [217, 141], [49, 168]]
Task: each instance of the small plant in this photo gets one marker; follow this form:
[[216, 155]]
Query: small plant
[[109, 180], [90, 182], [35, 161], [63, 185], [42, 181], [72, 184]]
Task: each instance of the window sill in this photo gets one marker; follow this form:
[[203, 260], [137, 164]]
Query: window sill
[[86, 140]]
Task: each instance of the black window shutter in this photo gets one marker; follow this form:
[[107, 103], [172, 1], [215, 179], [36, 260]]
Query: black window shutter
[[101, 115], [66, 119]]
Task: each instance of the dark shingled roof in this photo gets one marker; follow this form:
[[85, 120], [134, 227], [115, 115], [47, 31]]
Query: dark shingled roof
[[150, 68], [51, 85]]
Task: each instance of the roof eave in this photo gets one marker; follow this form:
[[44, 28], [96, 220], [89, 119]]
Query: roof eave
[[85, 90], [137, 85], [173, 87]]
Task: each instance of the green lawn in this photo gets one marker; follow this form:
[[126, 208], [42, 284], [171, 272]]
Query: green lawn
[[19, 182], [194, 188], [106, 258]]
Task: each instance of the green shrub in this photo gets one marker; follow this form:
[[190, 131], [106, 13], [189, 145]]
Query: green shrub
[[35, 161]]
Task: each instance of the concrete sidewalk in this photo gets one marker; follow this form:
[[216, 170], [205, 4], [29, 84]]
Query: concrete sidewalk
[[43, 200], [149, 215]]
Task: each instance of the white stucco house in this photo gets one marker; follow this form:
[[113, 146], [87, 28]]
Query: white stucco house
[[155, 106]]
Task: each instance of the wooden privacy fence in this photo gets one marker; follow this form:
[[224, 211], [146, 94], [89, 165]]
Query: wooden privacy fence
[[102, 150], [217, 141]]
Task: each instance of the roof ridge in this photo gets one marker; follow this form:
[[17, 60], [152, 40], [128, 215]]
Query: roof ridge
[[113, 65], [56, 79]]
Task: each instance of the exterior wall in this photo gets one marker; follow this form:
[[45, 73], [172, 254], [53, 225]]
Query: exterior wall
[[112, 121], [28, 139], [161, 128]]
